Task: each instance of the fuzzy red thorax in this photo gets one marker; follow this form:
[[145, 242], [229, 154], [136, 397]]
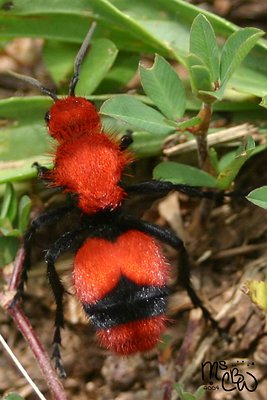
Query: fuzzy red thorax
[[91, 166]]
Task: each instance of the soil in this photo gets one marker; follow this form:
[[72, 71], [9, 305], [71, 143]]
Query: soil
[[225, 252]]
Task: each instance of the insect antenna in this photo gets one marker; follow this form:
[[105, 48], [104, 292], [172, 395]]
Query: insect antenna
[[34, 82], [79, 59]]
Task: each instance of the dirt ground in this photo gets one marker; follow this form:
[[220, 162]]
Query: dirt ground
[[226, 252]]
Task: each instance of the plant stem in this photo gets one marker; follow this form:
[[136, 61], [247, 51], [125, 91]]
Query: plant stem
[[201, 215], [24, 326], [201, 137]]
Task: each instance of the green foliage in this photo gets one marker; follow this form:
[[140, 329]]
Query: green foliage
[[198, 395], [184, 174], [203, 45], [257, 291], [206, 67], [164, 87], [98, 62], [230, 171], [139, 27], [234, 51], [13, 396], [124, 31], [136, 114], [259, 197], [14, 217]]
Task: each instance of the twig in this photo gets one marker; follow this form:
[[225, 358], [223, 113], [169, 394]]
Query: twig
[[17, 269], [223, 136], [23, 324], [167, 390], [236, 251]]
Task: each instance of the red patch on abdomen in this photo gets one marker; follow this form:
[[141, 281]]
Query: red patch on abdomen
[[133, 336], [99, 264]]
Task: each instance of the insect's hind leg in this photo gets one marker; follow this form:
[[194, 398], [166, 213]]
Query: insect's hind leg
[[61, 245]]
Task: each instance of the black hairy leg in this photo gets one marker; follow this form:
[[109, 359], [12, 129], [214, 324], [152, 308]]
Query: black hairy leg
[[163, 187], [62, 244]]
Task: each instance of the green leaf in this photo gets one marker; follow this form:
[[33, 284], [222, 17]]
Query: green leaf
[[235, 50], [24, 212], [59, 59], [23, 139], [228, 174], [122, 71], [162, 84], [184, 124], [5, 226], [263, 103], [213, 155], [226, 159], [199, 393], [22, 170], [13, 396], [95, 66], [200, 79], [8, 249], [257, 291], [258, 197], [146, 144], [183, 174], [9, 204], [140, 116], [138, 26], [204, 45], [24, 110]]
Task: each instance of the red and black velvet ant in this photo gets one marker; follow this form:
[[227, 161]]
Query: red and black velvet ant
[[119, 272]]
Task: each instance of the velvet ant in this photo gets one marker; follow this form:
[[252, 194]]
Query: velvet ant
[[119, 272]]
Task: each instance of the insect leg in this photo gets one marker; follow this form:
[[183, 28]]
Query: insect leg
[[164, 187], [61, 245], [41, 170]]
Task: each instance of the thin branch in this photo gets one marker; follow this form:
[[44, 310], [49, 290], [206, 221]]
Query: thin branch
[[24, 326], [17, 269], [221, 137]]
